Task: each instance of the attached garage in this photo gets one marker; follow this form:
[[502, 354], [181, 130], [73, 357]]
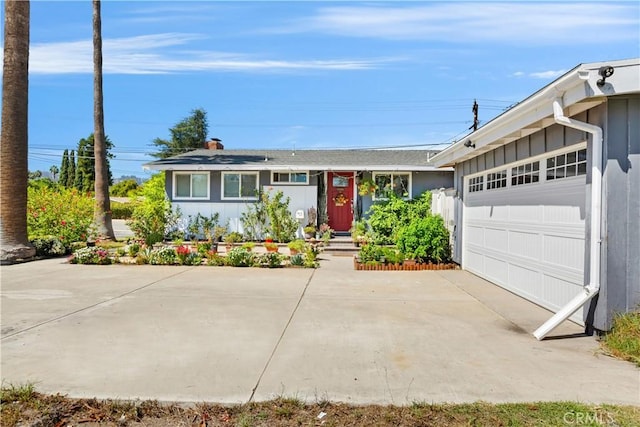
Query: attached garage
[[524, 227], [547, 196]]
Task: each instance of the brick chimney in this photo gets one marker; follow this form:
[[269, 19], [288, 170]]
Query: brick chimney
[[214, 144]]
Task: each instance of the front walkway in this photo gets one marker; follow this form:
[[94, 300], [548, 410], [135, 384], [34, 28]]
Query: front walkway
[[232, 334]]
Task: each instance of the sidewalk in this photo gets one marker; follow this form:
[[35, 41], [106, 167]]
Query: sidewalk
[[232, 335]]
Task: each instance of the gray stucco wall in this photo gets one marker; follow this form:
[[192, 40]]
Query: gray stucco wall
[[620, 275]]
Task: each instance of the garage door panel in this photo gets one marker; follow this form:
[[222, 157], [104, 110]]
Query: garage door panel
[[557, 292], [525, 244], [564, 251], [496, 239], [525, 213], [497, 270], [475, 236], [529, 239], [527, 280]]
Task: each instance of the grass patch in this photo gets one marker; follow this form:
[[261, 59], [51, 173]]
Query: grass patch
[[623, 341], [22, 405]]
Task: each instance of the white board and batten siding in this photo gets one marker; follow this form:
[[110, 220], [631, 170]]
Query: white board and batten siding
[[528, 238]]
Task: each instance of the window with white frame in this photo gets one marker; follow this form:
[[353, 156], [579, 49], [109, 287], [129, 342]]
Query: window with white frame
[[496, 180], [191, 185], [525, 174], [388, 182], [476, 183], [240, 185], [566, 165], [299, 178]]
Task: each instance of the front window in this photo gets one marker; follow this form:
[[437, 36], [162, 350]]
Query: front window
[[290, 177], [191, 185], [396, 183], [525, 174], [239, 185], [567, 165], [496, 180], [475, 184]]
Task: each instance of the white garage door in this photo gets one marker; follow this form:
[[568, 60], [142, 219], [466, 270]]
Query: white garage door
[[524, 227]]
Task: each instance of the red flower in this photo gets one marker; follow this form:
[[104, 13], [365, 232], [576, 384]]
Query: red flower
[[63, 222]]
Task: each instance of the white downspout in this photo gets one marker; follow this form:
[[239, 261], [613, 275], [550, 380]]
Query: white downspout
[[593, 287]]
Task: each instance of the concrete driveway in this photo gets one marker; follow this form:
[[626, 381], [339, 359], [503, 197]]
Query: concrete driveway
[[233, 335]]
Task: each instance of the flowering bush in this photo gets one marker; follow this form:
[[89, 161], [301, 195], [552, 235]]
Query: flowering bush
[[65, 214], [48, 246], [270, 260], [91, 255], [182, 252], [163, 256]]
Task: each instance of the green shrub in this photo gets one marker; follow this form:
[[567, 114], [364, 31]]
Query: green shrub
[[91, 255], [132, 249], [124, 188], [152, 216], [386, 217], [122, 210], [163, 256], [282, 225], [370, 252], [269, 259], [425, 240], [53, 211], [239, 257], [213, 259], [392, 255], [49, 246]]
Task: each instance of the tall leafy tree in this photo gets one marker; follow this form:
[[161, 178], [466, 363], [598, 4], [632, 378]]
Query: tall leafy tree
[[85, 175], [64, 169], [83, 178], [102, 211], [188, 134], [71, 174], [14, 242]]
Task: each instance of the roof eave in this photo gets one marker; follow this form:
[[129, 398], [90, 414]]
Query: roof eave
[[578, 90]]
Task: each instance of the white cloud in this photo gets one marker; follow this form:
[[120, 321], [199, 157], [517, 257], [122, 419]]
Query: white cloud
[[551, 74], [150, 54], [475, 22]]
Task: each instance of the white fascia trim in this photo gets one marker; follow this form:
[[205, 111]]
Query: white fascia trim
[[303, 168], [575, 86]]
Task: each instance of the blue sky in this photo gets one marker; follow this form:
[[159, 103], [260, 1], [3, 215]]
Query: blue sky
[[303, 74]]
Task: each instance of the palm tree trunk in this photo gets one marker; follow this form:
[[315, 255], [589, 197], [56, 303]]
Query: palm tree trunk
[[102, 211], [14, 242]]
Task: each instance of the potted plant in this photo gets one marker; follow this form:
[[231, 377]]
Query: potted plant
[[366, 187], [309, 231], [296, 246], [231, 238], [248, 246], [218, 232], [271, 247]]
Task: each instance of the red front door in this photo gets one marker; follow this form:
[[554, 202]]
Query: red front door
[[340, 200]]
